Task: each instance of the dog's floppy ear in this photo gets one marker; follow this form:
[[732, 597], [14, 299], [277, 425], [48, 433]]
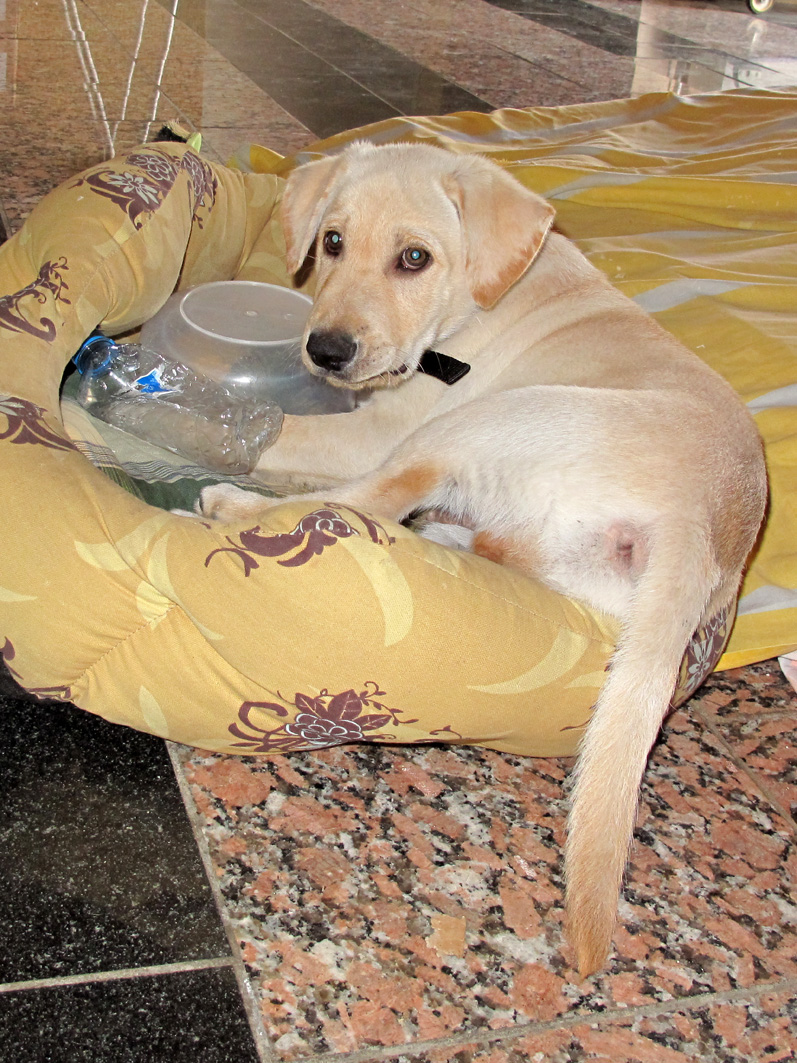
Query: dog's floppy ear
[[303, 203], [504, 224]]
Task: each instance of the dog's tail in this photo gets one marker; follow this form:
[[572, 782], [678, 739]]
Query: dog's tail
[[679, 586]]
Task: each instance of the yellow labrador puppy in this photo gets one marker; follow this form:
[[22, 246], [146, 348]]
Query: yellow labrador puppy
[[584, 445]]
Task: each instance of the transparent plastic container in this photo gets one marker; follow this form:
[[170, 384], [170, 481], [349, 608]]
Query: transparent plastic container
[[169, 404], [247, 336]]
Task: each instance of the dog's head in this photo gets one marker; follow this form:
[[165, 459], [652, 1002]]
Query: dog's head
[[410, 241]]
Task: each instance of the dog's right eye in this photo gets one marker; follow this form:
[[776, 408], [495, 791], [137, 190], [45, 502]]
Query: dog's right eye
[[333, 242]]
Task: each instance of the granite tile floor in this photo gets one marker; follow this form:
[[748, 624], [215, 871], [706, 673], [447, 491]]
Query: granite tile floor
[[361, 904]]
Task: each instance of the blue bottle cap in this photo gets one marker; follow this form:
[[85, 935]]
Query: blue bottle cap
[[96, 343]]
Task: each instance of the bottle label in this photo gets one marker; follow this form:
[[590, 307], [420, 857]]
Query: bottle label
[[151, 383]]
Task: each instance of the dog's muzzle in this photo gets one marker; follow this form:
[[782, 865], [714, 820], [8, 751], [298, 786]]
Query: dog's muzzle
[[330, 349]]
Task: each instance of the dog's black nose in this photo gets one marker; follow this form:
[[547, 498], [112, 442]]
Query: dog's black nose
[[330, 349]]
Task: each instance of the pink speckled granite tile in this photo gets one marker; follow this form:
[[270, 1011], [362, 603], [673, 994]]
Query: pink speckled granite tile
[[754, 709], [768, 746], [752, 690], [372, 877], [388, 896]]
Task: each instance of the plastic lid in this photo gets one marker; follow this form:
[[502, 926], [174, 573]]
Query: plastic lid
[[246, 312]]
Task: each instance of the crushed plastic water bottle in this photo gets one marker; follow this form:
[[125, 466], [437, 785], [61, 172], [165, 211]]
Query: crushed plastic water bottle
[[168, 404]]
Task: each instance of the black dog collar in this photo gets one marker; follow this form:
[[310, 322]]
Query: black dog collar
[[442, 367]]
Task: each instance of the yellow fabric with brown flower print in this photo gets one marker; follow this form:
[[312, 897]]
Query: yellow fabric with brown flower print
[[321, 624]]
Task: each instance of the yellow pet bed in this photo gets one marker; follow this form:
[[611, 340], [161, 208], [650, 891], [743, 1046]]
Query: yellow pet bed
[[322, 625]]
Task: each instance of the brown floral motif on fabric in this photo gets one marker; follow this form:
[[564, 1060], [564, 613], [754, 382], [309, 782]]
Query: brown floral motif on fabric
[[325, 720], [50, 280], [141, 189], [311, 536], [702, 654], [26, 424], [135, 193], [203, 182]]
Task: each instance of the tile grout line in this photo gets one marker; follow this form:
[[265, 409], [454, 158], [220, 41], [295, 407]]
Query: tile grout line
[[712, 725], [120, 974], [507, 1035], [259, 1035]]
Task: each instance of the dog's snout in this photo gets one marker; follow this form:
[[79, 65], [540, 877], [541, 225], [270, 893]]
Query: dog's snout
[[330, 349]]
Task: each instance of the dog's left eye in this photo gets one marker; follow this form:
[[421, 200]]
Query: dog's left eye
[[414, 258]]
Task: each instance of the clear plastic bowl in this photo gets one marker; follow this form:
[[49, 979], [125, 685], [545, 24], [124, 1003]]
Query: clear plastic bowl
[[246, 335]]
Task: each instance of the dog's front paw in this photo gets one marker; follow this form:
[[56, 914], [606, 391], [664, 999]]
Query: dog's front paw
[[226, 502]]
